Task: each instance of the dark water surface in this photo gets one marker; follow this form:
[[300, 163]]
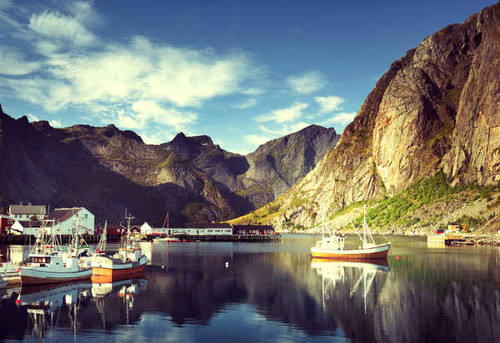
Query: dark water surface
[[239, 292]]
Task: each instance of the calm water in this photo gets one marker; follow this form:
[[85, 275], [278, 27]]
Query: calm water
[[235, 292]]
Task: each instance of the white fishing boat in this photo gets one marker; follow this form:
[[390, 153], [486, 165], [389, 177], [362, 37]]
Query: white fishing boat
[[332, 246], [127, 262], [47, 263]]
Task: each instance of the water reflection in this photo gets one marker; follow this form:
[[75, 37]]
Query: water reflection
[[45, 304], [356, 276], [234, 291]]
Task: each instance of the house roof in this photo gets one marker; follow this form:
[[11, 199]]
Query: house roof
[[63, 214], [28, 209]]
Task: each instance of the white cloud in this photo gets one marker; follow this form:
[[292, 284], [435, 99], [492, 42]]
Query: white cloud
[[55, 123], [132, 72], [340, 118], [248, 103], [32, 118], [284, 114], [54, 25], [307, 83], [256, 139], [13, 62], [252, 91], [329, 103], [285, 129], [83, 12], [155, 138], [150, 110]]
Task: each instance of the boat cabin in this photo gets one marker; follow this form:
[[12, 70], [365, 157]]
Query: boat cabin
[[41, 259]]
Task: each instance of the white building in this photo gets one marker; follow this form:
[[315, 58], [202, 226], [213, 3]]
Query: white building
[[25, 227], [27, 212], [65, 220], [146, 229]]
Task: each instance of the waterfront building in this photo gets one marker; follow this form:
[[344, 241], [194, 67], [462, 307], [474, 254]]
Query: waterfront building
[[27, 212], [65, 219], [6, 223], [26, 227]]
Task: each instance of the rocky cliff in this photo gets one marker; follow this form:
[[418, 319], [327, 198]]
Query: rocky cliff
[[107, 170], [436, 108]]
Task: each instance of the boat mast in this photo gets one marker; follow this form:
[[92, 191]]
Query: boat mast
[[128, 217]]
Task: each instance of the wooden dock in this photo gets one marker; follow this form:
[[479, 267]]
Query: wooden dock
[[460, 239]]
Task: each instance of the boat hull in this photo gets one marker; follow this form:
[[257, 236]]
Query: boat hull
[[42, 278], [373, 253], [115, 272], [114, 269]]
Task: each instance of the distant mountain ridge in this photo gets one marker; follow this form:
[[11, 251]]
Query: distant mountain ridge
[[107, 170]]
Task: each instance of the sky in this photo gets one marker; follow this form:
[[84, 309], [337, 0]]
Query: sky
[[241, 72]]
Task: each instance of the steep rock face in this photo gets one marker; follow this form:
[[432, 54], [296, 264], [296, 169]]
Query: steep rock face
[[437, 107], [475, 152]]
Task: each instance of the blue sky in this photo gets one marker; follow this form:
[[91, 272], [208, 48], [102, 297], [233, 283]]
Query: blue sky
[[242, 72]]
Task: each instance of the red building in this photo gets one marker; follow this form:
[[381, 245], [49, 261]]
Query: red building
[[6, 223], [114, 229]]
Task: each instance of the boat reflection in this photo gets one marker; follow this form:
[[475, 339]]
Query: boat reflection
[[104, 289], [357, 276], [44, 305], [51, 307]]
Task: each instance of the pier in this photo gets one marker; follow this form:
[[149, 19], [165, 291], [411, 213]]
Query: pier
[[92, 239], [221, 238], [459, 239]]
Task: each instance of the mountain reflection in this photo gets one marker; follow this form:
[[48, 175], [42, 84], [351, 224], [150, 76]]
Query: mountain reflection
[[424, 298]]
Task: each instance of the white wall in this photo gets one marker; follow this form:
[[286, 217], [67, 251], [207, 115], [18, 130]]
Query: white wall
[[85, 224]]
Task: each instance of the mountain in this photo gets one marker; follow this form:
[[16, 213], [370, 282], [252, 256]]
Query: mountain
[[435, 109], [108, 170], [103, 169], [255, 179], [277, 165]]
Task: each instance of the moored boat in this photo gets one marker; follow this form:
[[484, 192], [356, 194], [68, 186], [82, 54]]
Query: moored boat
[[128, 261], [47, 263], [55, 268], [167, 239], [333, 247]]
